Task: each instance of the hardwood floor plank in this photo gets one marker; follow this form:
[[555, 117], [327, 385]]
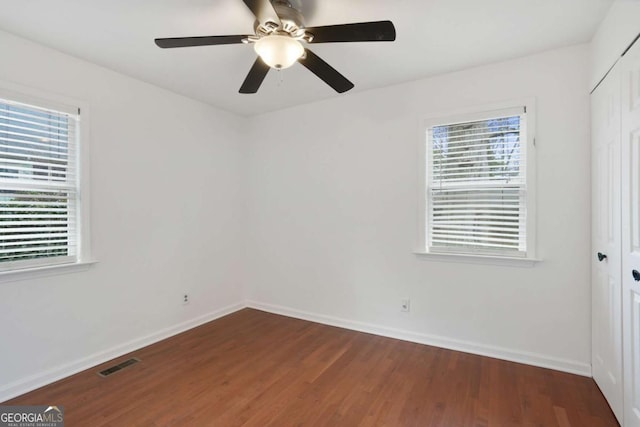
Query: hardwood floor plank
[[255, 369]]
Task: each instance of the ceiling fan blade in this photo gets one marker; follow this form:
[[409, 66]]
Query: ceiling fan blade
[[325, 71], [263, 10], [256, 75], [380, 31], [198, 41]]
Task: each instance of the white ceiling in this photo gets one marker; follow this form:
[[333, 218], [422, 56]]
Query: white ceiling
[[433, 37]]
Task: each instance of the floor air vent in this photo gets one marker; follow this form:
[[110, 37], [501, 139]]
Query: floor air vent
[[118, 367]]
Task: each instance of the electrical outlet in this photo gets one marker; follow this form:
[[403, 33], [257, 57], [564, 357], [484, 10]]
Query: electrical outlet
[[185, 299], [405, 305]]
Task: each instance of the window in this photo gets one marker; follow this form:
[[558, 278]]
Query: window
[[39, 185], [477, 185]]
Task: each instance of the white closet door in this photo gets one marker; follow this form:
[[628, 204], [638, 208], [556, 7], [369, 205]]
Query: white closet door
[[606, 244], [630, 122]]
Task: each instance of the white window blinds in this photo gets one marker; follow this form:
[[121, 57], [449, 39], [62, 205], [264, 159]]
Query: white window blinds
[[477, 186], [38, 186]]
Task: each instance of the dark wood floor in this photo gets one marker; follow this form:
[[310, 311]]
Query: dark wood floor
[[257, 369]]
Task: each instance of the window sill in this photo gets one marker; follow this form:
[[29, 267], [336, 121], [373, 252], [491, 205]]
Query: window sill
[[47, 270], [478, 259]]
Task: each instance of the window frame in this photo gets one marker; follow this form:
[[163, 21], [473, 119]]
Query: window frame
[[42, 99], [471, 114]]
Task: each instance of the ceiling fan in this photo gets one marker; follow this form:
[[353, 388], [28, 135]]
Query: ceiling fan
[[279, 39]]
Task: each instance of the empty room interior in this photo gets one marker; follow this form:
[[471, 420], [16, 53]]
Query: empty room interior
[[320, 213]]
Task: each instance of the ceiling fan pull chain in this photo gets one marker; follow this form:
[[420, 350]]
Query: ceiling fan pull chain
[[280, 78]]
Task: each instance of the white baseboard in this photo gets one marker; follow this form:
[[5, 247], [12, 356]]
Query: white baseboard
[[41, 379], [47, 377], [533, 359]]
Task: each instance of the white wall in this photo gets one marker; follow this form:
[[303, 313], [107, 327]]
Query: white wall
[[315, 215], [616, 32], [333, 191], [165, 172]]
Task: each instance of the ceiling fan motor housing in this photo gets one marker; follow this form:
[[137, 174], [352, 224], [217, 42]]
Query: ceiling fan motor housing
[[291, 17]]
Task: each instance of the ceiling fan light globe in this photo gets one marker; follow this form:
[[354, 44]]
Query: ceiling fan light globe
[[278, 51]]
